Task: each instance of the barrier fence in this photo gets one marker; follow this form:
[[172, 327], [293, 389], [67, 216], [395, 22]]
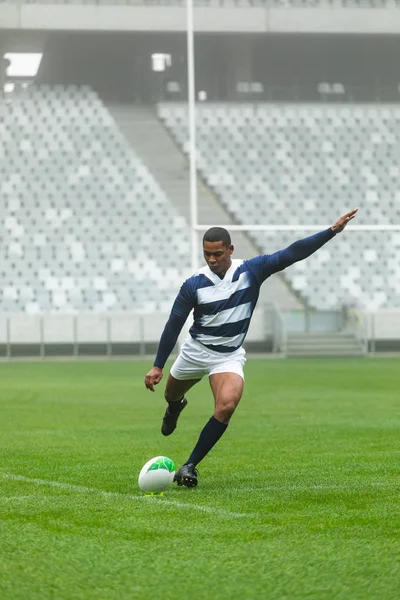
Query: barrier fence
[[74, 336]]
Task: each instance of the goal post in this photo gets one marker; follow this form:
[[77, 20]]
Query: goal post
[[292, 227]]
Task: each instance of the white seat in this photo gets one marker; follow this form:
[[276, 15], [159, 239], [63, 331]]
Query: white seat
[[74, 218], [280, 173]]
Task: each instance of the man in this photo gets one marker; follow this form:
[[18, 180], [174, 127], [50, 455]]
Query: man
[[223, 295]]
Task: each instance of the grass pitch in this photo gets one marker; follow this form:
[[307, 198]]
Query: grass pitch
[[299, 500]]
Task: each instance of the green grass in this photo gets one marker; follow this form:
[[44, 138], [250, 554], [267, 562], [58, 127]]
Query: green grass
[[310, 461]]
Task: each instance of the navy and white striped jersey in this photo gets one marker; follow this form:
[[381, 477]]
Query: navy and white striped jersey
[[222, 308]]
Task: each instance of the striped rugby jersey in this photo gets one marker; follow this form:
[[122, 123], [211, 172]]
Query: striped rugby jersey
[[222, 308]]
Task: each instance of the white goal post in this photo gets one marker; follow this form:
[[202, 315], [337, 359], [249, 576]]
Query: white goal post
[[298, 227]]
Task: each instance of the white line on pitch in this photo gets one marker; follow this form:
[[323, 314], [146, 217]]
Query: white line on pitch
[[351, 486], [162, 501]]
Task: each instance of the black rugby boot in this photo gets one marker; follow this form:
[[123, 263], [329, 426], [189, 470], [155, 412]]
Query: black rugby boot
[[171, 416], [187, 476]]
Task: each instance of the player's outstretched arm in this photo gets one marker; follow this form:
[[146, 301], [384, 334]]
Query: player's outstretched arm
[[266, 265], [342, 222]]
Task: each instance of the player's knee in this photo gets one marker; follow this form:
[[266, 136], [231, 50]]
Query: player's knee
[[168, 395], [225, 410]]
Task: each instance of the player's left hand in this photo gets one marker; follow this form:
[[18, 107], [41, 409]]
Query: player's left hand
[[342, 222]]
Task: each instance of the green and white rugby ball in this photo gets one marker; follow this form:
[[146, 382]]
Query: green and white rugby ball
[[156, 475]]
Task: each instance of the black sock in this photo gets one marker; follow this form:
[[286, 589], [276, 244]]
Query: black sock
[[209, 436], [175, 406]]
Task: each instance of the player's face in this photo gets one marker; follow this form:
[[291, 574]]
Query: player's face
[[217, 256]]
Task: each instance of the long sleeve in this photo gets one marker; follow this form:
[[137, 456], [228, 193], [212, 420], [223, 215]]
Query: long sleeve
[[181, 308], [168, 339], [267, 264]]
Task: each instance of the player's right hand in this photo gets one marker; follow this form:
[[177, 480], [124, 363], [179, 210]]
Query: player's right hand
[[152, 378]]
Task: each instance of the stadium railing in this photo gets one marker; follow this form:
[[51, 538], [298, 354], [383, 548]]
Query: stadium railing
[[103, 334], [132, 334]]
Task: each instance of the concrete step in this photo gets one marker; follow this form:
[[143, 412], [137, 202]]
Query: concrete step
[[327, 354], [321, 334], [323, 344], [323, 349]]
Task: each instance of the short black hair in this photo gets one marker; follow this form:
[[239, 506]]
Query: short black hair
[[217, 234]]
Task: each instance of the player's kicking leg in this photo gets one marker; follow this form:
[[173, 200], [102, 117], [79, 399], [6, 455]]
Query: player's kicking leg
[[175, 391], [227, 389]]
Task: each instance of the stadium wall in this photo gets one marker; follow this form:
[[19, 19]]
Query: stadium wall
[[125, 334]]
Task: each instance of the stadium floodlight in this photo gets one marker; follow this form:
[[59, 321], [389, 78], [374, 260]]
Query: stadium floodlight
[[160, 61], [23, 64], [9, 87]]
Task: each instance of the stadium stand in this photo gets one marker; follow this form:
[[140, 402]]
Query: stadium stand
[[288, 164], [82, 215]]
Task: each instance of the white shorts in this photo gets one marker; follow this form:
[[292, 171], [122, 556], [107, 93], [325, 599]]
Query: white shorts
[[195, 361]]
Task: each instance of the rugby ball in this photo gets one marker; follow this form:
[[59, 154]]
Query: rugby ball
[[156, 475]]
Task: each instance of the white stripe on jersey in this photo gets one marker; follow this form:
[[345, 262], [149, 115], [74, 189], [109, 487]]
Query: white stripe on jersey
[[210, 340], [230, 315], [223, 291]]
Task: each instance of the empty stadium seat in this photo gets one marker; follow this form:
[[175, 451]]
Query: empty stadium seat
[[307, 165], [85, 225]]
